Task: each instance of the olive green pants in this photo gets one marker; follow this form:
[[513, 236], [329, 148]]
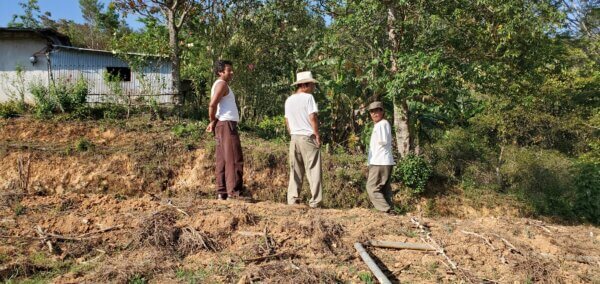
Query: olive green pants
[[378, 187]]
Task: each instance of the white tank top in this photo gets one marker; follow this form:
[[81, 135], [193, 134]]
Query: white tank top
[[226, 109]]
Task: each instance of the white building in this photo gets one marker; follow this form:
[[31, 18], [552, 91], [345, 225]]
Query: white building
[[43, 56]]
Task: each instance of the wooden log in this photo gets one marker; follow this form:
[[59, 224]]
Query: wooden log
[[371, 264], [400, 245]]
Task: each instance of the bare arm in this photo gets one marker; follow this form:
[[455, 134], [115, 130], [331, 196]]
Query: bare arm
[[221, 90], [314, 122]]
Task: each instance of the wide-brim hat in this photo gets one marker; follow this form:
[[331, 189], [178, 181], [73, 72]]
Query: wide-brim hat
[[375, 105], [304, 77]]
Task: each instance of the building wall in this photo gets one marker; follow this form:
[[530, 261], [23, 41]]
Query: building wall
[[153, 81], [14, 54]]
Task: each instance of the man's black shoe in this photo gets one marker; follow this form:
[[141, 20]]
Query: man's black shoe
[[222, 196]]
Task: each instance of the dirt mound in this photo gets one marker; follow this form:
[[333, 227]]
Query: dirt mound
[[96, 237]]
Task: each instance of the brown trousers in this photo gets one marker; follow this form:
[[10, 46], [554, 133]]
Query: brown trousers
[[230, 162]]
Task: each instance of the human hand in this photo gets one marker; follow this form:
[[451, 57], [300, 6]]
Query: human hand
[[211, 126]]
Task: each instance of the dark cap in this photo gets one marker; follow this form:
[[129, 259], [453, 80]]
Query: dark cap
[[375, 105]]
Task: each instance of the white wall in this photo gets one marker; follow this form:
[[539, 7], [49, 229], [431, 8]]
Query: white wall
[[15, 52]]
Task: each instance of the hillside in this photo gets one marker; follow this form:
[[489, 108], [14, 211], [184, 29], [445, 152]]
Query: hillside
[[131, 201]]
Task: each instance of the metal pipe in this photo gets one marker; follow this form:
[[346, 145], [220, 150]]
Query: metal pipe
[[371, 264]]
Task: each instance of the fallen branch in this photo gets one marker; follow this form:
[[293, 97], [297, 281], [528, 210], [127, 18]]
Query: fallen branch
[[400, 245], [487, 241], [371, 264], [170, 203], [437, 247], [508, 244]]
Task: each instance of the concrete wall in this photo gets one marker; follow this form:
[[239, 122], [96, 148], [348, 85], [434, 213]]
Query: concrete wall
[[14, 54]]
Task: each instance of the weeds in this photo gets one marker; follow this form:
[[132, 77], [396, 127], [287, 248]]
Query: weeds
[[84, 145], [366, 277], [193, 276], [19, 209], [12, 109]]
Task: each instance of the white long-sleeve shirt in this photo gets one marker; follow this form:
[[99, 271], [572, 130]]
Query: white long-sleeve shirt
[[380, 146]]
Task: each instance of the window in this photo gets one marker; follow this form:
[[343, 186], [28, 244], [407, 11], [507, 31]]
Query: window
[[119, 73]]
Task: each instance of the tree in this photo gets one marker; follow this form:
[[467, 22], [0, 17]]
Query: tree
[[30, 18], [175, 13]]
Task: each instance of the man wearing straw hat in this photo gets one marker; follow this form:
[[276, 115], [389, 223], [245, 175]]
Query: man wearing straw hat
[[304, 154]]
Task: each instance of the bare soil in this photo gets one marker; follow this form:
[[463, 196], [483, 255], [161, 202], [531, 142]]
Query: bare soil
[[123, 213]]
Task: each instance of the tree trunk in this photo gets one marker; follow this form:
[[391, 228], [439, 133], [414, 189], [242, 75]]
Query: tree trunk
[[401, 113], [174, 45], [402, 129]]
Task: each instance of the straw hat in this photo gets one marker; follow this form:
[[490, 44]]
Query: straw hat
[[304, 77]]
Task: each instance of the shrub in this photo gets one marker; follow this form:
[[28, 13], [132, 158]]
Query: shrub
[[455, 151], [272, 128], [192, 130], [587, 184], [542, 178], [44, 104], [62, 96], [83, 145], [414, 171], [11, 109]]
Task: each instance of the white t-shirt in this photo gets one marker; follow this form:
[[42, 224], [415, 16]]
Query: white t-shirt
[[380, 147], [227, 108], [297, 109]]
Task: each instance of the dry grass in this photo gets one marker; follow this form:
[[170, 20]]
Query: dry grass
[[159, 230], [286, 272], [191, 241]]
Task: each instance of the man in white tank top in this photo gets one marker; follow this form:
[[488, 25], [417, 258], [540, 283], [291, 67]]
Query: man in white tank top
[[304, 153], [223, 115]]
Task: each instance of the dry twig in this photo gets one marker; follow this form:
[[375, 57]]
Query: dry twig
[[508, 244], [487, 241]]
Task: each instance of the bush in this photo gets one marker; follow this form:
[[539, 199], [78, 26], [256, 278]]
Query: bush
[[44, 104], [272, 128], [83, 145], [414, 172], [587, 183], [542, 178], [11, 109], [60, 97], [189, 130], [455, 152]]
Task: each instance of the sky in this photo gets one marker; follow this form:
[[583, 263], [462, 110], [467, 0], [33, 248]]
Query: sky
[[60, 9]]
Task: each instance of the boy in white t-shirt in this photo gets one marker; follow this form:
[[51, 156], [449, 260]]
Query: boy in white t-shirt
[[381, 160]]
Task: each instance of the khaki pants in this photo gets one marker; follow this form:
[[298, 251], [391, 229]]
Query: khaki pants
[[305, 158], [229, 167], [378, 187]]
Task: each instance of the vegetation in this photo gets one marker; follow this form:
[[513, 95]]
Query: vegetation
[[488, 96]]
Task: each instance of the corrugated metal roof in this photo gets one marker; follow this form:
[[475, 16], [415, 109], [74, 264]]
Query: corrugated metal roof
[[108, 51]]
